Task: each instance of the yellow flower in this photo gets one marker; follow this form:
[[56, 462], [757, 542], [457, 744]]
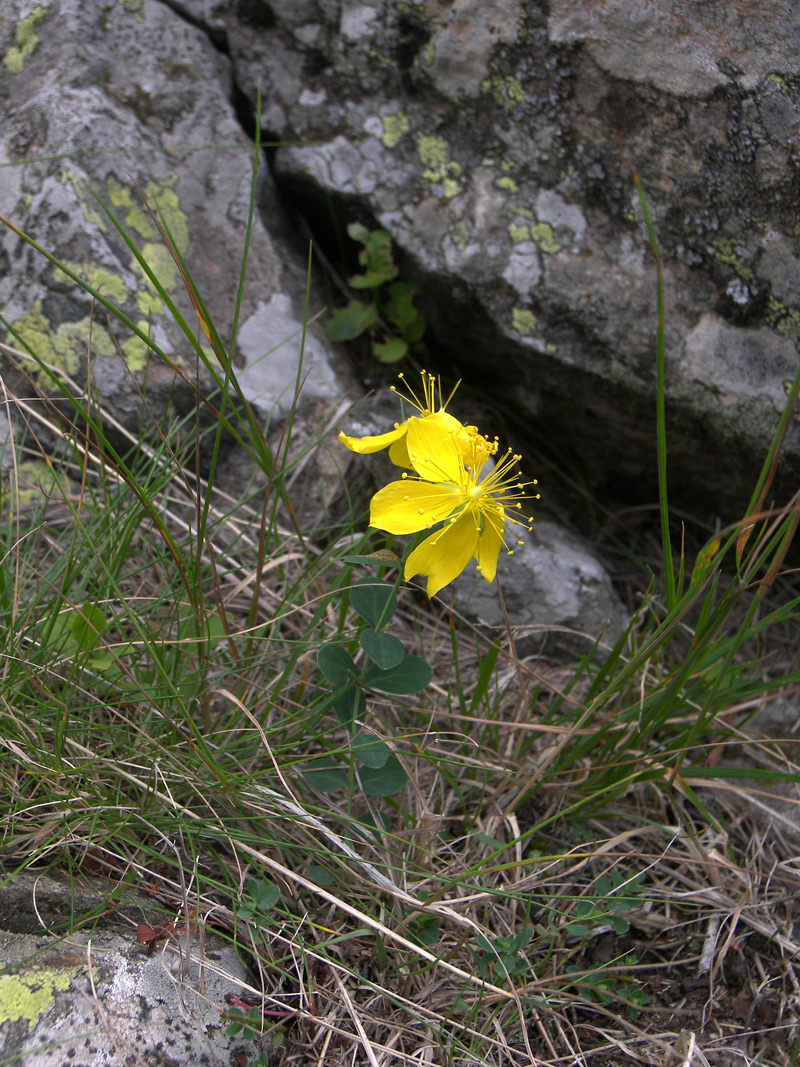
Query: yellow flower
[[395, 440], [474, 510]]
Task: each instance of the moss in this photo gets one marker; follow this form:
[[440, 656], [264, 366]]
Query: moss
[[395, 127], [523, 321], [518, 233], [26, 39], [542, 234]]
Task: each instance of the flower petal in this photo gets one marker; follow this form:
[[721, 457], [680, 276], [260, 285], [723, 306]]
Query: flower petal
[[365, 445], [490, 541], [410, 506], [444, 555], [432, 448]]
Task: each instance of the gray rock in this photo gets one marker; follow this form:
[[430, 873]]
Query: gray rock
[[80, 990], [498, 143], [115, 107], [558, 596]]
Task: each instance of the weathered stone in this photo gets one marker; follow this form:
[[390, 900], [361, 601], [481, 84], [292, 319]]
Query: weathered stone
[[119, 108], [557, 594], [78, 989], [498, 144]]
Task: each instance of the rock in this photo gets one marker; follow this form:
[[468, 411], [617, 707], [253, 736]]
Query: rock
[[97, 997], [558, 596], [114, 109], [498, 143]]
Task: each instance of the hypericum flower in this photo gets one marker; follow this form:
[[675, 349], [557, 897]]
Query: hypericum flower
[[467, 437], [474, 510]]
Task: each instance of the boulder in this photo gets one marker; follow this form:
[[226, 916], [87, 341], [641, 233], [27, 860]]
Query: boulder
[[498, 144], [77, 987], [132, 111]]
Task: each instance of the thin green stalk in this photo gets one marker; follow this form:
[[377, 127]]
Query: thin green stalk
[[661, 418]]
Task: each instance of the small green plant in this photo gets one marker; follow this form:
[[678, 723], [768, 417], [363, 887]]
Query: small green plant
[[391, 316], [614, 895]]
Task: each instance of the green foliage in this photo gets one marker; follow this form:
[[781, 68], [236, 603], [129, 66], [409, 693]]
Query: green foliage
[[392, 307], [614, 895]]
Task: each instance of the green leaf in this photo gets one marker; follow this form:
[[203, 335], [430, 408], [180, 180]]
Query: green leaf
[[335, 663], [383, 781], [357, 232], [325, 774], [399, 307], [384, 649], [264, 893], [416, 330], [321, 875], [87, 626], [376, 258], [374, 601], [410, 676], [349, 705], [189, 632], [425, 930], [383, 556], [370, 751], [391, 351], [352, 321]]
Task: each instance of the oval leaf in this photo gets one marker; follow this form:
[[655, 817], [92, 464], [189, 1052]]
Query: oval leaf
[[384, 649], [335, 663], [371, 751], [383, 781], [352, 321], [325, 775], [374, 601], [391, 351], [351, 704], [409, 676]]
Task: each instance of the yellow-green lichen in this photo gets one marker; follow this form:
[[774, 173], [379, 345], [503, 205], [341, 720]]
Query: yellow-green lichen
[[776, 79], [508, 184], [27, 996], [542, 234], [395, 127], [435, 157], [784, 319], [523, 321], [32, 480], [519, 233], [111, 286], [507, 92], [136, 351], [725, 250], [459, 234], [26, 40], [149, 302], [66, 347], [91, 213]]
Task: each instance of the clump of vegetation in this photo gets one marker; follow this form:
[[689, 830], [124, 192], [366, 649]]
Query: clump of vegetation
[[429, 849], [391, 318]]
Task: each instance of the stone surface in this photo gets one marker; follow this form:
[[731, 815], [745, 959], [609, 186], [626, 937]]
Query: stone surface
[[558, 596], [498, 144], [77, 989], [98, 108]]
